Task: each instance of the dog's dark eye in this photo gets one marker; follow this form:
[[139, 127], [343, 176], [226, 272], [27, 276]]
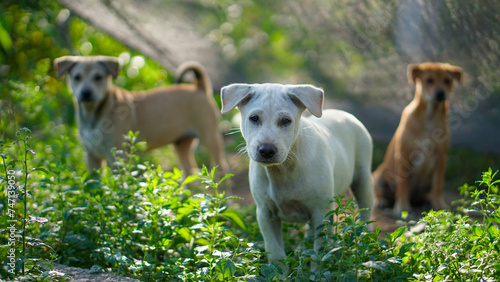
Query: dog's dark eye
[[447, 81], [430, 81], [78, 77], [254, 118], [98, 77], [285, 121]]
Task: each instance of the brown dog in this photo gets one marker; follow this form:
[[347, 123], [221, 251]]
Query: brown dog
[[414, 164], [176, 114]]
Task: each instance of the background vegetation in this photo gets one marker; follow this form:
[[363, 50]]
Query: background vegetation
[[143, 222]]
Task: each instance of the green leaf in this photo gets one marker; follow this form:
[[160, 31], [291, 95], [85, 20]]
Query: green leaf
[[301, 278], [309, 252], [201, 249], [478, 231], [395, 260], [362, 272], [40, 169], [252, 278], [405, 248], [227, 268], [493, 231], [95, 268], [189, 179], [380, 265], [329, 254], [441, 268], [226, 177], [235, 217], [398, 232], [269, 271], [184, 233], [104, 250], [5, 40]]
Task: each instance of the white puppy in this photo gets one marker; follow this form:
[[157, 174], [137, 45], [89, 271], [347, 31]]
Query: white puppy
[[298, 165]]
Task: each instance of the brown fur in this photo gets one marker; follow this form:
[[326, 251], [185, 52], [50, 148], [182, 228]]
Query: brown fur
[[175, 114]]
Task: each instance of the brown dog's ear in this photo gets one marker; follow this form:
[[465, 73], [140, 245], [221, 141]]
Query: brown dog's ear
[[456, 73], [413, 71], [309, 96], [64, 64], [111, 64], [232, 95]]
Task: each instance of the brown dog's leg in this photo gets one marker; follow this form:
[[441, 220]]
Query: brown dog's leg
[[378, 180], [214, 145], [436, 193], [402, 197], [185, 152]]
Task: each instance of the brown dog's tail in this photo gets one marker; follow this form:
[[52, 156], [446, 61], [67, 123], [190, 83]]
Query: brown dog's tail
[[201, 78]]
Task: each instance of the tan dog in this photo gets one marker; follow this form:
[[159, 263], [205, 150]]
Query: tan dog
[[414, 164], [176, 114]]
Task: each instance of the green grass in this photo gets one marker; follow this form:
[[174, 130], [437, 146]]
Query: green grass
[[144, 222]]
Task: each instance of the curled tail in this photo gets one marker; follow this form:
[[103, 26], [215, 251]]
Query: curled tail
[[201, 78]]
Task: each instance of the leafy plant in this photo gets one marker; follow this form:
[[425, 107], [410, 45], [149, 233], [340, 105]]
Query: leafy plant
[[350, 252], [459, 247], [19, 224]]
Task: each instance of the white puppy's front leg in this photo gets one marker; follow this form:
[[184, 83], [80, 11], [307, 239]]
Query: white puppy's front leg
[[317, 219], [272, 232]]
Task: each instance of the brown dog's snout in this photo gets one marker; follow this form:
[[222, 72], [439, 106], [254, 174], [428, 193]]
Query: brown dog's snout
[[267, 151], [440, 95]]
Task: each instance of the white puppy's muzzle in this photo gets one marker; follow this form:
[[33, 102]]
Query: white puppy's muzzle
[[266, 153]]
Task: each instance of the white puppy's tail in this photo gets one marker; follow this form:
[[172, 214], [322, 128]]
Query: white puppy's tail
[[201, 78]]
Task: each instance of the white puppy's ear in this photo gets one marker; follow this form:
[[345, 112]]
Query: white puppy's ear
[[232, 95], [309, 96], [64, 64]]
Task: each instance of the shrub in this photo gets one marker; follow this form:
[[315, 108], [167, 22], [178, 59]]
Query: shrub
[[138, 220], [458, 247]]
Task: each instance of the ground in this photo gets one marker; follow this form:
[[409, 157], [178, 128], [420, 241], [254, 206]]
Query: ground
[[84, 275]]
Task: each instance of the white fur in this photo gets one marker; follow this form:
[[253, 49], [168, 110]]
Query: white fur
[[315, 159]]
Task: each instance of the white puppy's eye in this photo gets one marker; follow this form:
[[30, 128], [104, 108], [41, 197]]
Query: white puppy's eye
[[285, 121], [97, 77], [78, 77], [254, 119]]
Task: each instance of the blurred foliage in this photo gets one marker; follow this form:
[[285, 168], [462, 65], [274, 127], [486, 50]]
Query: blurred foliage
[[355, 49], [40, 31]]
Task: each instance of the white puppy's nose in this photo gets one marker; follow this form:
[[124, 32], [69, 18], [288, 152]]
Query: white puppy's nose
[[267, 151]]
